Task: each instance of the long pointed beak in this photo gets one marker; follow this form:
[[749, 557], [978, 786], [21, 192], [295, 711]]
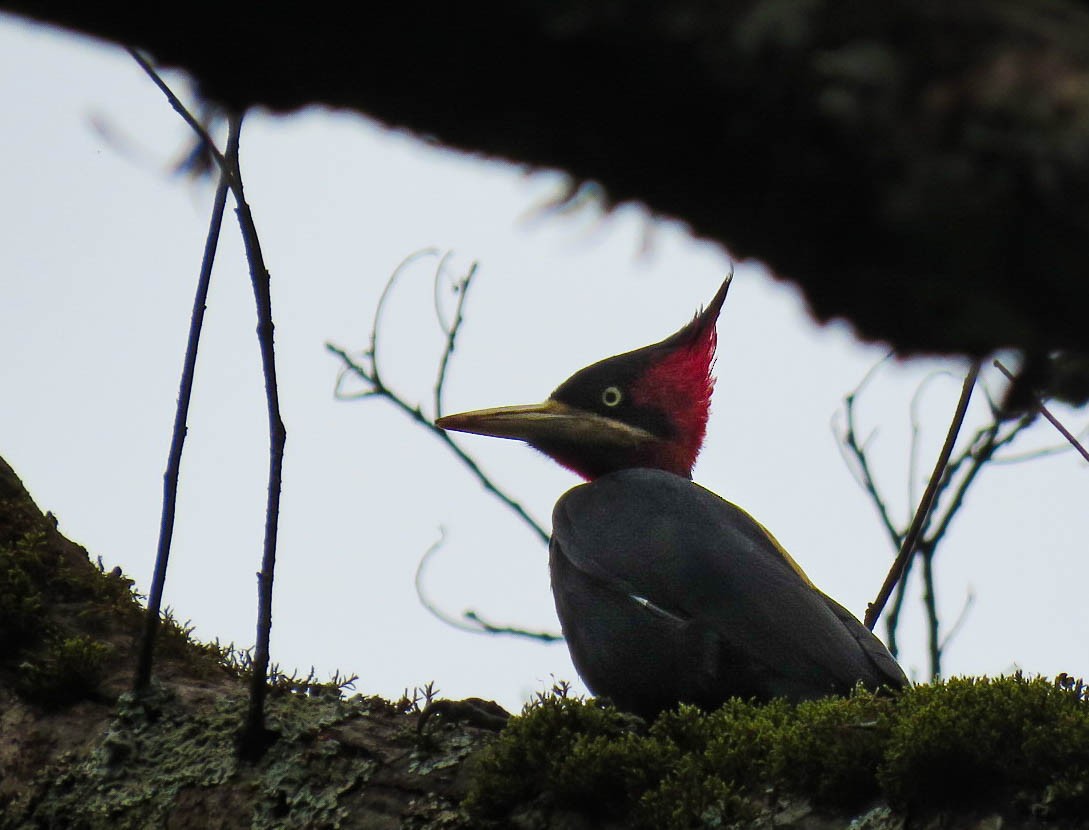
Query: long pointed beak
[[549, 421]]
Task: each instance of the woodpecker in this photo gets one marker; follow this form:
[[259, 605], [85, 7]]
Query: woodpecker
[[667, 593]]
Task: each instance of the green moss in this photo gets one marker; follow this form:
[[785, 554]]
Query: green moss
[[587, 756], [946, 745], [55, 659], [66, 670], [969, 738], [22, 611], [830, 750], [687, 797], [533, 754]]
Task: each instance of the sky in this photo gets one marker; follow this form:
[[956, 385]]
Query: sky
[[100, 245]]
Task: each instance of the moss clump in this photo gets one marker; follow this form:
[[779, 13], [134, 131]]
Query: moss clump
[[22, 611], [577, 750], [66, 670], [53, 659], [970, 738], [586, 756], [831, 749], [1011, 743]]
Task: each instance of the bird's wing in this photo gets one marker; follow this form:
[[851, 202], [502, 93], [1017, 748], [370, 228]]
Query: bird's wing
[[874, 649], [682, 549]]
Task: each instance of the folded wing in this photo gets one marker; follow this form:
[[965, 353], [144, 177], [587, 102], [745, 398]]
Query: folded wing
[[668, 593]]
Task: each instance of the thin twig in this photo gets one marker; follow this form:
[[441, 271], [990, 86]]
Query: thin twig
[[255, 738], [1043, 452], [414, 412], [1063, 431], [913, 453], [372, 353], [462, 288], [930, 602], [469, 621], [912, 536], [492, 628], [177, 441], [371, 374], [979, 454], [954, 629], [849, 442], [187, 116], [368, 370], [892, 620]]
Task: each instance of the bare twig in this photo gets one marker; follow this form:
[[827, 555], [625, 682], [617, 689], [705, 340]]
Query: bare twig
[[1051, 418], [180, 108], [492, 628], [414, 412], [907, 548], [959, 473], [848, 443], [177, 441], [892, 619], [1042, 452], [462, 288], [470, 620], [913, 453], [255, 738], [369, 371], [954, 629], [980, 452], [930, 602]]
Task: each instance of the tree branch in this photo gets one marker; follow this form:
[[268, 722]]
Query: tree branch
[[1063, 431], [853, 450], [370, 373], [177, 441], [908, 546], [470, 620], [255, 738]]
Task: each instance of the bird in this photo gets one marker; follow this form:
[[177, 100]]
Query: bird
[[667, 593]]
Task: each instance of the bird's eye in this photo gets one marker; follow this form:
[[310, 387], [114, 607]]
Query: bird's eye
[[612, 396]]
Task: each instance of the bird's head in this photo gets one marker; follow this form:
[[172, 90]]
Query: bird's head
[[644, 408]]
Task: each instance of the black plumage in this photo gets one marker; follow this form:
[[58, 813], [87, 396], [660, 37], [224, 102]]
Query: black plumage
[[667, 593]]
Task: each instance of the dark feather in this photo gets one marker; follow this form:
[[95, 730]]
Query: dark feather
[[668, 593]]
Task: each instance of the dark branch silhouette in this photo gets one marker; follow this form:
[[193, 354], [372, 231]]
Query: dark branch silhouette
[[851, 449], [950, 485], [369, 371], [254, 738], [469, 621], [907, 547], [177, 441], [367, 368], [1050, 418]]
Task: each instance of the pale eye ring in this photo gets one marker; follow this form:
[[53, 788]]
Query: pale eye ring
[[612, 396]]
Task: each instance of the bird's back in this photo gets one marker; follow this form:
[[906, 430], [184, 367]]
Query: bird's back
[[668, 593]]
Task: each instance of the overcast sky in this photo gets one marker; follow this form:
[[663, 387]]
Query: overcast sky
[[99, 250]]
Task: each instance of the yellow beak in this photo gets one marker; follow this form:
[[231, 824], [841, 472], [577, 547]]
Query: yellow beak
[[550, 421]]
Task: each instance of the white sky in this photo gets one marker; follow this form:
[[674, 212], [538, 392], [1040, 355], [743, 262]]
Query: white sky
[[99, 250]]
